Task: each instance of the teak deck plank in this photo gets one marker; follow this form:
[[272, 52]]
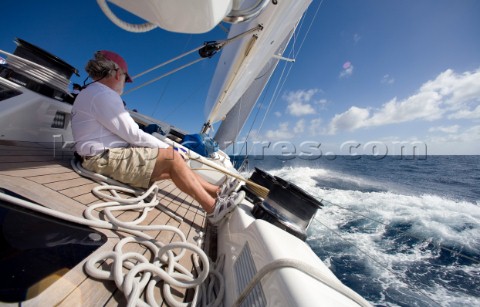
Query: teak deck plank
[[52, 183], [54, 177], [67, 288]]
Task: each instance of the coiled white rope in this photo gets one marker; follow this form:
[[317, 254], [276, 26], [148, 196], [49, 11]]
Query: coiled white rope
[[148, 273], [143, 275], [151, 273], [103, 180], [132, 272], [212, 290]]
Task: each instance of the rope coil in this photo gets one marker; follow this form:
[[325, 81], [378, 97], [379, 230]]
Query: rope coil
[[134, 274]]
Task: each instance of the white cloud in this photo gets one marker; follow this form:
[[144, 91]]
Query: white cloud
[[470, 135], [299, 126], [347, 71], [449, 93], [278, 114], [281, 134], [299, 102], [387, 79], [449, 129], [315, 127], [456, 89], [466, 114], [322, 103], [350, 120], [299, 109]]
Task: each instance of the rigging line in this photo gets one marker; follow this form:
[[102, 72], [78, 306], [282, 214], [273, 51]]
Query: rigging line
[[294, 56], [238, 119], [263, 99], [275, 91], [164, 75], [223, 28], [274, 95], [168, 62], [288, 73], [253, 123], [420, 291], [167, 83], [357, 213], [220, 44], [225, 42], [258, 109], [178, 105], [310, 26], [270, 103]]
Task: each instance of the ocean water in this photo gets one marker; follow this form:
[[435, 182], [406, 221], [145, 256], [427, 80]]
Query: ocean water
[[398, 231]]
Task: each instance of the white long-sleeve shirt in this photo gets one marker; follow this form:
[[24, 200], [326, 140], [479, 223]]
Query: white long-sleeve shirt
[[100, 121]]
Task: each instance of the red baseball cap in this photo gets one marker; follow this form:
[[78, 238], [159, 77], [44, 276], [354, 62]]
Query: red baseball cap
[[112, 56]]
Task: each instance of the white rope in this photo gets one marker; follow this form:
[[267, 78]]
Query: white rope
[[132, 272], [164, 75], [148, 273], [137, 28], [103, 180], [168, 62], [143, 276], [212, 290]]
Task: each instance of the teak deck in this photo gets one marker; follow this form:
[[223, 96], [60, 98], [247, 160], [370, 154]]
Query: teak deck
[[45, 176]]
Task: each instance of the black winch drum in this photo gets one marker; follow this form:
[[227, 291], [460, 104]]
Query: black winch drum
[[287, 206], [263, 178]]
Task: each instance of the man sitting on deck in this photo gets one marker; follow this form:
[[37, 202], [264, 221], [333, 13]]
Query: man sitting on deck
[[112, 144]]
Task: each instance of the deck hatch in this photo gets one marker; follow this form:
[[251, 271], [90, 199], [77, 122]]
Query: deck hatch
[[36, 250], [245, 270]]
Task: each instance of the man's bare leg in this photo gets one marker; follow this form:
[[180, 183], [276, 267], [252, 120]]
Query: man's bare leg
[[170, 164], [210, 188]]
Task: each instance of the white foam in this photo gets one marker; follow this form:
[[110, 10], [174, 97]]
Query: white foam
[[432, 219], [449, 221]]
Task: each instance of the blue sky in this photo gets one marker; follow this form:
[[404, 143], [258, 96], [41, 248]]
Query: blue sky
[[370, 74]]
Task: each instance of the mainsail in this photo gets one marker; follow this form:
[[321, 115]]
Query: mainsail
[[235, 119], [239, 76]]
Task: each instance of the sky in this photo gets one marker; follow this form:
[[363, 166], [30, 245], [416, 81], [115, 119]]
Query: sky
[[370, 76]]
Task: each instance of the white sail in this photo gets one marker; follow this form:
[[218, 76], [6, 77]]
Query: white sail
[[244, 59], [184, 16], [235, 119]]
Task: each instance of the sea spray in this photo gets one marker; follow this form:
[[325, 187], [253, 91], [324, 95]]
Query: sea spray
[[391, 232]]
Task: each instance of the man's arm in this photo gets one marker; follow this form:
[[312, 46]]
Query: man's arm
[[110, 112]]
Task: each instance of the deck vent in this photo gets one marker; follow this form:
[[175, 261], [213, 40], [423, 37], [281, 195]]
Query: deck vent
[[245, 270], [59, 120]]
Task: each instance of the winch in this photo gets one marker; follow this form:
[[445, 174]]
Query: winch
[[287, 206]]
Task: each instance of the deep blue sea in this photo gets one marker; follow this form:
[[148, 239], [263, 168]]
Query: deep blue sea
[[398, 231]]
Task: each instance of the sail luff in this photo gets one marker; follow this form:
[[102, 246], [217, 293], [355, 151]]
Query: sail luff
[[235, 119], [236, 69]]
